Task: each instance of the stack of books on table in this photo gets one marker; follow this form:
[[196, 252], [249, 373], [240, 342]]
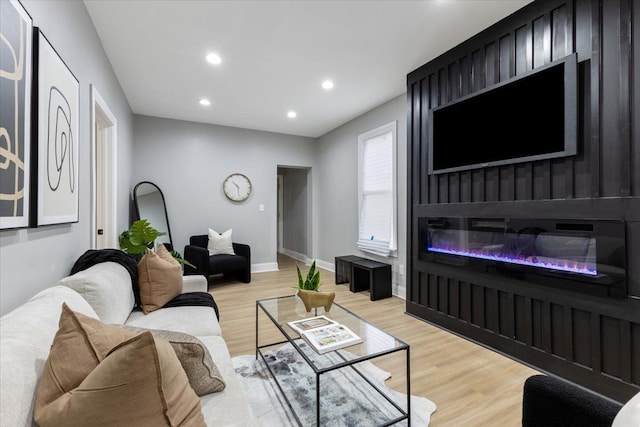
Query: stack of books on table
[[324, 334]]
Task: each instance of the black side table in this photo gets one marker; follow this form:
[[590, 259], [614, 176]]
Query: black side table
[[372, 276], [343, 268]]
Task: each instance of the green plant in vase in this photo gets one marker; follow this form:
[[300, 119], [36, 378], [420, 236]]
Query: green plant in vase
[[141, 237], [312, 281], [308, 290]]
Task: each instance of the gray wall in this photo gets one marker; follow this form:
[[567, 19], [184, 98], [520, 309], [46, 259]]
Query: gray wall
[[295, 215], [189, 161], [34, 259], [338, 188]]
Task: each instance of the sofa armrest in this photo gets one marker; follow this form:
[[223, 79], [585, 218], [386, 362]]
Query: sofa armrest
[[199, 257], [195, 283], [552, 402]]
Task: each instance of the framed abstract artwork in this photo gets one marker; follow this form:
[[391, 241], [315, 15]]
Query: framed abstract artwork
[[16, 29], [55, 145]]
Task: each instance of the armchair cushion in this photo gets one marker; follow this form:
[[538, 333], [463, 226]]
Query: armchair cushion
[[226, 263]]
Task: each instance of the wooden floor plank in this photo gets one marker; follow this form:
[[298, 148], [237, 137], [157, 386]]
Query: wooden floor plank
[[471, 385]]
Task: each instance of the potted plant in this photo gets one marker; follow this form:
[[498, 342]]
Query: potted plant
[[308, 290], [141, 237]]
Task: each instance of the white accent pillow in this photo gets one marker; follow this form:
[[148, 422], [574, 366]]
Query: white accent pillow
[[629, 415], [220, 244]]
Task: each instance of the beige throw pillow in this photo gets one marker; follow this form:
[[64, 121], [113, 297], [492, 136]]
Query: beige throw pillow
[[202, 372], [220, 244], [137, 382], [159, 281]]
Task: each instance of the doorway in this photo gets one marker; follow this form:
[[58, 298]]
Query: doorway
[[294, 212], [104, 173]]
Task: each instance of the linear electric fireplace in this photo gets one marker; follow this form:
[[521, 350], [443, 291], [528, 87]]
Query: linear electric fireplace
[[587, 256]]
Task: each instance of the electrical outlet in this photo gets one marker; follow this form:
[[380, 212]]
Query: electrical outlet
[[401, 269]]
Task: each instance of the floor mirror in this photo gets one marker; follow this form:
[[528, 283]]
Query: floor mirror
[[150, 204]]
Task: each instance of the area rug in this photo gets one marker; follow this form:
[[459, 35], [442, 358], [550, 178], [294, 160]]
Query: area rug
[[343, 403]]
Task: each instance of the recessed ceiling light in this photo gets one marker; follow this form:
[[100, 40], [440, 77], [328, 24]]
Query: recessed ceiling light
[[327, 84], [214, 58], [204, 102], [291, 114]]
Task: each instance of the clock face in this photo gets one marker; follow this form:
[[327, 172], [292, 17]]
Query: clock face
[[237, 187]]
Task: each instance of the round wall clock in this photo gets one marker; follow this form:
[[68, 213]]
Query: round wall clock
[[237, 187]]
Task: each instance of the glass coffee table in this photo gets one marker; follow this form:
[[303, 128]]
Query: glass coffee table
[[376, 343]]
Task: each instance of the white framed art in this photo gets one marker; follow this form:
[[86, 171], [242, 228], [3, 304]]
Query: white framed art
[[16, 30], [56, 141]]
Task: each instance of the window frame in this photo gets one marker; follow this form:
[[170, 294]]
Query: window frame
[[362, 138]]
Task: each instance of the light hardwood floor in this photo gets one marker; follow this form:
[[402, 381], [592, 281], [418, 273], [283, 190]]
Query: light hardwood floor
[[471, 385]]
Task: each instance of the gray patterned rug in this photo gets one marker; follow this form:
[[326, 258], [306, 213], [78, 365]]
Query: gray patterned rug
[[343, 403]]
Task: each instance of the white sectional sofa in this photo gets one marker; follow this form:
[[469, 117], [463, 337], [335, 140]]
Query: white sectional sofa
[[104, 292]]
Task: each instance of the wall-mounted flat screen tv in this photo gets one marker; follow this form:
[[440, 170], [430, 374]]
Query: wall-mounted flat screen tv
[[523, 119]]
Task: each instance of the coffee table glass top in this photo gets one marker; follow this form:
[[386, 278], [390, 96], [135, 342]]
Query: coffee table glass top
[[375, 343]]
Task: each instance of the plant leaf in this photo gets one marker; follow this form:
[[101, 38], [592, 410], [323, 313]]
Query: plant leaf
[[129, 247], [300, 281], [181, 260], [142, 233], [312, 271], [315, 281]]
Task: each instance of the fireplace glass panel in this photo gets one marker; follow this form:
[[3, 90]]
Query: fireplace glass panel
[[573, 251], [565, 253]]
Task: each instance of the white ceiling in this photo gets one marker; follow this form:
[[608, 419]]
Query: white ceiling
[[275, 55]]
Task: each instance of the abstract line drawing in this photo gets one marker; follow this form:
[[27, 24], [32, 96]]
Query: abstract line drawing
[[56, 175], [15, 105], [59, 140]]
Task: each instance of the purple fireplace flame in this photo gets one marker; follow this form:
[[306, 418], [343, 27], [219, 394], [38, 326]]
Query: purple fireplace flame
[[560, 264]]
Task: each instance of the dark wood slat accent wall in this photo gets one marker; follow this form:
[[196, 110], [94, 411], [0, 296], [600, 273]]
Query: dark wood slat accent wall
[[593, 341]]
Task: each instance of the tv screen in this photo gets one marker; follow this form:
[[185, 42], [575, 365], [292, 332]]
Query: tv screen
[[526, 118]]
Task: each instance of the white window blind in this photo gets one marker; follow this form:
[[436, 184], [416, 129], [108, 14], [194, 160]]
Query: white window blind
[[377, 191]]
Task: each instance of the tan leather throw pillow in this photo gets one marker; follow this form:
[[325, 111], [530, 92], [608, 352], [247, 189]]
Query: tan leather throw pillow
[[202, 372], [159, 280], [80, 344], [139, 383]]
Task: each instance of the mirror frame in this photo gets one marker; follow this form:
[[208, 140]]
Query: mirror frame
[[164, 205]]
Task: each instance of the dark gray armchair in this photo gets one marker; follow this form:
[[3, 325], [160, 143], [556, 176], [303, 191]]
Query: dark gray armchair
[[237, 266], [552, 402]]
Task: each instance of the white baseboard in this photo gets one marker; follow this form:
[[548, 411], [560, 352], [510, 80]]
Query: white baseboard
[[264, 267], [400, 292], [296, 255], [326, 265]]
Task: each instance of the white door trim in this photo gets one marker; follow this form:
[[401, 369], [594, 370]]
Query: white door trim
[[100, 112], [280, 180]]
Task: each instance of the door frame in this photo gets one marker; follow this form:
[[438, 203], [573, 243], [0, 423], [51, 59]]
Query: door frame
[[280, 226], [101, 113]]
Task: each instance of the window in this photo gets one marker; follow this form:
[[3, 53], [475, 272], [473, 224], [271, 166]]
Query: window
[[377, 191]]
